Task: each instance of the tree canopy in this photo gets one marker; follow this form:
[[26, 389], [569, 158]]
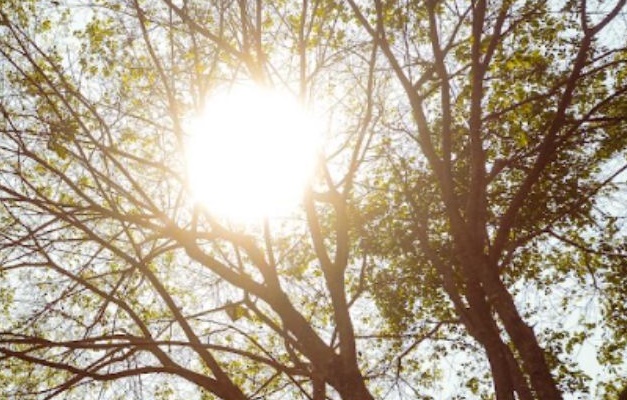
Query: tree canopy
[[463, 236]]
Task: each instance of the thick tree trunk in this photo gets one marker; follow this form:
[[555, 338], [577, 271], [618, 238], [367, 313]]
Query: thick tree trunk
[[526, 343], [348, 382], [484, 329], [477, 268], [522, 335]]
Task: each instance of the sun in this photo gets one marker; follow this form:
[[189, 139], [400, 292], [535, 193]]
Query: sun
[[251, 153]]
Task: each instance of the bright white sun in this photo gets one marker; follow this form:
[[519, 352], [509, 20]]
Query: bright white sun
[[251, 153]]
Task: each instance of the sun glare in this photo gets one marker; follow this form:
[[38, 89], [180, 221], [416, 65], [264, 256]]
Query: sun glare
[[251, 153]]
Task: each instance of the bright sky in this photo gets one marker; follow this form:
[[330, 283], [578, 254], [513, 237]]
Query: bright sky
[[251, 153]]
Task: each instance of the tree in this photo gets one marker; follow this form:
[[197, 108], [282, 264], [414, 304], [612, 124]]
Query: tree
[[460, 212]]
